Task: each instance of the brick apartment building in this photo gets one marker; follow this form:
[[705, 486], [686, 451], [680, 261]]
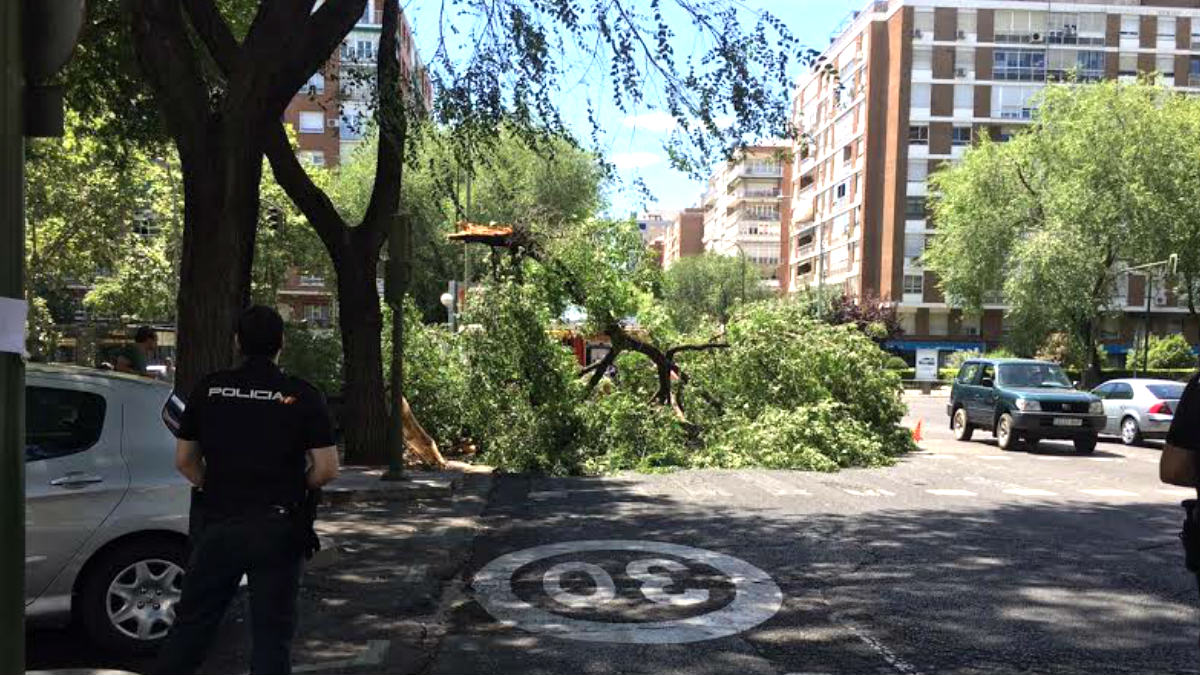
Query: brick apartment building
[[917, 81], [331, 115], [743, 208], [684, 236]]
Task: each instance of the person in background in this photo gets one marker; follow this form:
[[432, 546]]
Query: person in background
[[1180, 465], [134, 358]]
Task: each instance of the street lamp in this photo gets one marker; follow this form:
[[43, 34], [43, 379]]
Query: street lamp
[[36, 40], [1170, 264]]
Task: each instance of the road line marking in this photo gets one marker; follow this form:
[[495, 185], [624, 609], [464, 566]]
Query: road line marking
[[701, 490], [549, 494], [1043, 458], [773, 486], [1109, 492], [869, 493], [953, 493], [1178, 492], [1030, 492], [996, 458], [892, 659]]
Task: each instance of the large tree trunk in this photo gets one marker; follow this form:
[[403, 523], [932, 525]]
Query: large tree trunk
[[221, 190], [365, 419]]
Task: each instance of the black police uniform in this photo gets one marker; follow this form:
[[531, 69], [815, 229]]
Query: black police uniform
[[254, 426], [1185, 435]]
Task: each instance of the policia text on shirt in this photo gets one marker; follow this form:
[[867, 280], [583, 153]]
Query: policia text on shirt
[[245, 440]]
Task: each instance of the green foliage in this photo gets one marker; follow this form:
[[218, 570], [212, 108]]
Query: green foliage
[[42, 336], [313, 355], [1044, 217], [705, 289], [1166, 353], [624, 432], [897, 363]]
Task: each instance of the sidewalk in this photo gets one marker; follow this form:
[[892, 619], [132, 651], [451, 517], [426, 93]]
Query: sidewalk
[[375, 606]]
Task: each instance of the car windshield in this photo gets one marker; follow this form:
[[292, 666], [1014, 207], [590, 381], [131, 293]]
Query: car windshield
[[1166, 392], [1044, 375]]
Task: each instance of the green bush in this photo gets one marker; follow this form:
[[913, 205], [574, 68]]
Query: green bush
[[897, 363], [313, 355], [1172, 351], [624, 433]]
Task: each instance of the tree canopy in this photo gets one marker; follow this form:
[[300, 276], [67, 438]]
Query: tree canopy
[[1049, 218]]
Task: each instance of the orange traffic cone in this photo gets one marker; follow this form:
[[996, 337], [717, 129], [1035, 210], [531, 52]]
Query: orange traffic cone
[[917, 431]]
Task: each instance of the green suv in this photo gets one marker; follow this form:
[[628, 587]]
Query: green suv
[[1021, 400]]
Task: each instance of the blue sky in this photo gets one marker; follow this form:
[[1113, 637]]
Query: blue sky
[[633, 142]]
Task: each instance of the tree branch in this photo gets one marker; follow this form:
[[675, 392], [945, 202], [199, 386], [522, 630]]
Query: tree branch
[[310, 199], [391, 120], [214, 32]]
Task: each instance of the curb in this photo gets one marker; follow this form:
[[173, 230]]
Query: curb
[[362, 484]]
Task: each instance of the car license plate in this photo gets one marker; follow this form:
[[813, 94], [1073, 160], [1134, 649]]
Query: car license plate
[[1067, 422]]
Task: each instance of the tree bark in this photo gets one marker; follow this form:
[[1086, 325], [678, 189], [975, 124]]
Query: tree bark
[[365, 421]]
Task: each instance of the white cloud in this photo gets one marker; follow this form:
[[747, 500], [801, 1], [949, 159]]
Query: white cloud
[[635, 160], [657, 122]]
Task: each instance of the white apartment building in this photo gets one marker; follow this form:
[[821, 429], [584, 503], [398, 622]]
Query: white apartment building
[[743, 208]]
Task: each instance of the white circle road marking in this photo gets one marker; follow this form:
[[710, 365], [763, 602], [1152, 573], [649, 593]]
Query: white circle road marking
[[1109, 492], [606, 590], [1030, 492], [756, 597], [952, 493]]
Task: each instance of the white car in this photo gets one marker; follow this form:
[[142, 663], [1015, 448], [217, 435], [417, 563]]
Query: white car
[[1139, 409], [106, 511]]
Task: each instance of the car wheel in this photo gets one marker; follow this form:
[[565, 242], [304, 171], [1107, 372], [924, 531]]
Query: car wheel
[[128, 599], [962, 430], [1085, 445], [1131, 434], [1005, 435]]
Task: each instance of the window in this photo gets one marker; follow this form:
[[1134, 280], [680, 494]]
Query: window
[[923, 21], [1084, 66], [968, 22], [967, 373], [847, 153], [1195, 33], [353, 124], [314, 157], [312, 280], [914, 246], [918, 170], [939, 323], [914, 208], [922, 60], [988, 377], [368, 16], [1019, 26], [840, 191], [315, 84], [1194, 71], [312, 122], [1166, 32], [360, 50], [61, 422], [1076, 29], [1104, 390], [1025, 65], [1014, 103], [914, 284], [921, 96], [962, 136], [1128, 64], [919, 134], [1131, 27], [964, 63], [316, 313], [964, 97], [1120, 392], [1166, 67]]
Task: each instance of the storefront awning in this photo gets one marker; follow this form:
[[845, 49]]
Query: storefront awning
[[913, 345]]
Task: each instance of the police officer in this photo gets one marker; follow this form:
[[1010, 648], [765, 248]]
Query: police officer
[[254, 441]]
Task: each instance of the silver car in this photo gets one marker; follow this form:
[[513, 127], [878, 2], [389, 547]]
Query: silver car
[[1139, 409], [106, 513]]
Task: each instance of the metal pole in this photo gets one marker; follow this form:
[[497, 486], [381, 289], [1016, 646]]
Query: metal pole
[[1146, 339], [12, 368], [399, 263]]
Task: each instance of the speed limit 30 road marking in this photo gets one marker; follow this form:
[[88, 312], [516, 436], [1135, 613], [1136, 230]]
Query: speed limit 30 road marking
[[756, 597]]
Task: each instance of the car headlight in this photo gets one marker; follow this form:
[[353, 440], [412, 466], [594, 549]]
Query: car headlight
[[1025, 405], [1096, 408]]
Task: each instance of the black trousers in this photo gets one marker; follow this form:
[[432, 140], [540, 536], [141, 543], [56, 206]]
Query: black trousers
[[264, 547]]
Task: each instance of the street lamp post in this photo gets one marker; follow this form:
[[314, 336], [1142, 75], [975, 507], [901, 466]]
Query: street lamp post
[[1170, 264], [742, 253], [36, 41]]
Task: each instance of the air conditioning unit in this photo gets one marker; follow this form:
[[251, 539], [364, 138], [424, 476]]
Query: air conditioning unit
[[917, 33], [1036, 38], [332, 123], [960, 72], [962, 35]]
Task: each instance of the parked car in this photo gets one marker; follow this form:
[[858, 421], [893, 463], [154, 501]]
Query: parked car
[[1138, 409], [1022, 400], [106, 512]]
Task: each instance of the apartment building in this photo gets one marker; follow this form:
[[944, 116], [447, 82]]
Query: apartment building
[[684, 236], [333, 111], [331, 115], [743, 207], [910, 85]]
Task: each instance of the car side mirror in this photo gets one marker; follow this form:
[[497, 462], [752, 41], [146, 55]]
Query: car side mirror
[[1075, 384], [987, 382]]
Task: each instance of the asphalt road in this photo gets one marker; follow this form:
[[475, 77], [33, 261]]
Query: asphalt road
[[961, 559]]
